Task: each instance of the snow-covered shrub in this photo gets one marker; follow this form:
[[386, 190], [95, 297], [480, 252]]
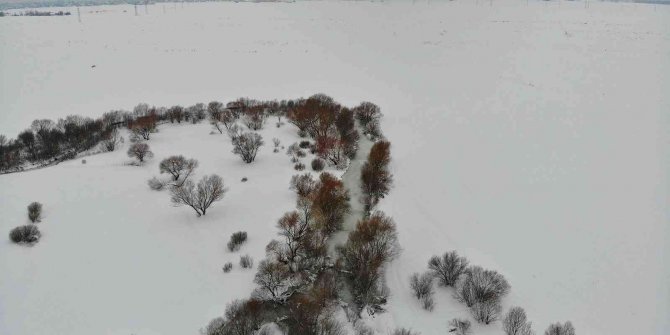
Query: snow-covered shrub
[[178, 166], [83, 161], [156, 184], [299, 166], [227, 267], [403, 331], [247, 145], [209, 190], [302, 184], [294, 152], [486, 311], [139, 151], [479, 285], [246, 262], [421, 284], [448, 268], [304, 144], [236, 240], [560, 329], [276, 143], [516, 323], [25, 234], [35, 212], [318, 164], [459, 327]]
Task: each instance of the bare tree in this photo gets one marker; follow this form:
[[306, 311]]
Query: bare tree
[[140, 151], [273, 281], [516, 323], [200, 198], [481, 285], [111, 139], [486, 311], [560, 329], [247, 145], [448, 268], [178, 166]]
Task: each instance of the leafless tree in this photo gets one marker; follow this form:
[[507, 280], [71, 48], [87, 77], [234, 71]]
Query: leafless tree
[[367, 112], [560, 329], [178, 166], [140, 151], [200, 198], [273, 280], [448, 268], [247, 145], [486, 311], [516, 323], [480, 285], [422, 287]]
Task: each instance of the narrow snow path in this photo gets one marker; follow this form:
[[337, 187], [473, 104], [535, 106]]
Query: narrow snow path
[[352, 182]]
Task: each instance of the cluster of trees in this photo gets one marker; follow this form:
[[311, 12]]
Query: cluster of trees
[[331, 126], [33, 12], [376, 178], [480, 290]]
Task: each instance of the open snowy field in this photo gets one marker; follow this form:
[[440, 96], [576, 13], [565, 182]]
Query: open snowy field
[[531, 137]]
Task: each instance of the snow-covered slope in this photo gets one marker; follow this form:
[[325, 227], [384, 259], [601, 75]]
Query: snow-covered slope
[[530, 137]]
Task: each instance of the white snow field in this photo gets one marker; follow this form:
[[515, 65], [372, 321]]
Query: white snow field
[[532, 137]]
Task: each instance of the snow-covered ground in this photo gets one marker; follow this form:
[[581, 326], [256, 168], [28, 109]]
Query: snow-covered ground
[[531, 137]]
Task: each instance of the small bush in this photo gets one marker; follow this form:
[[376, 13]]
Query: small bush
[[304, 144], [560, 329], [236, 240], [459, 327], [155, 184], [25, 234], [227, 267], [318, 164], [244, 179], [299, 167], [35, 212], [83, 161], [246, 262], [422, 285]]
